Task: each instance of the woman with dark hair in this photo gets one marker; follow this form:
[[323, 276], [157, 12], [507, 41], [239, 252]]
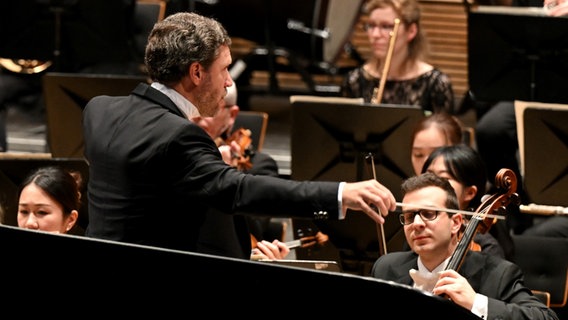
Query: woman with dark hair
[[49, 200], [465, 170], [431, 132]]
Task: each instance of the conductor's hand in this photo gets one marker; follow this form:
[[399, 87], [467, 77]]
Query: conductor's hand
[[368, 196], [556, 8]]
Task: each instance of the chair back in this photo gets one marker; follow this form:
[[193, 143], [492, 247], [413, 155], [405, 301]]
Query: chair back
[[545, 265], [146, 14]]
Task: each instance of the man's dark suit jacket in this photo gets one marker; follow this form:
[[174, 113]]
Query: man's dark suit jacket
[[498, 279], [153, 174], [229, 235]]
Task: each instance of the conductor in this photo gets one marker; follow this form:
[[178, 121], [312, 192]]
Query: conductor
[[154, 172]]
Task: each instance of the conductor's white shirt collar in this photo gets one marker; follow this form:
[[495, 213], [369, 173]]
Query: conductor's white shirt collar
[[188, 109]]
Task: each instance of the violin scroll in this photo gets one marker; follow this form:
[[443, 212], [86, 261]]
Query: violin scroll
[[506, 185], [507, 180]]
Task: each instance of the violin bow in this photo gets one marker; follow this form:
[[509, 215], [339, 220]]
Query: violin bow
[[380, 227], [378, 92]]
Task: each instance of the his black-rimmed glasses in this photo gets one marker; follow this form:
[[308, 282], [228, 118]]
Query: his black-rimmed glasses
[[407, 217]]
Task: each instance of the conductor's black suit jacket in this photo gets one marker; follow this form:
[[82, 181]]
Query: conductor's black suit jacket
[[153, 173], [230, 235]]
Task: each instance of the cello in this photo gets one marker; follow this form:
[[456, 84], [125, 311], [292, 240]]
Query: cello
[[484, 216]]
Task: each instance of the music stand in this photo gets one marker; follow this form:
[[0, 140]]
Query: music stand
[[65, 95], [331, 140], [517, 54], [543, 136]]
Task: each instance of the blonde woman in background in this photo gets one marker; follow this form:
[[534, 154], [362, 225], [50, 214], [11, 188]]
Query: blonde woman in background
[[411, 80]]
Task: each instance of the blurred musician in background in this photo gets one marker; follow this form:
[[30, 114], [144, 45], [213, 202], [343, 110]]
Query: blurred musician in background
[[411, 80], [431, 132]]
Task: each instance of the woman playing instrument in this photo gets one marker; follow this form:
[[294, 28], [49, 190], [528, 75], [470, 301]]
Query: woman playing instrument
[[489, 286], [411, 80]]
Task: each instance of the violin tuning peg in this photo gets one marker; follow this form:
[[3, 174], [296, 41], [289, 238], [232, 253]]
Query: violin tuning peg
[[515, 199], [501, 210]]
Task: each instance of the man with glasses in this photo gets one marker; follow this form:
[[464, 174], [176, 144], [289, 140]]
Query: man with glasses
[[487, 285]]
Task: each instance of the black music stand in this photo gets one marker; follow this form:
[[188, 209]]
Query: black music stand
[[65, 95], [331, 140], [517, 54]]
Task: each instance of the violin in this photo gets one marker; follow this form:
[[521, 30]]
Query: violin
[[243, 138], [494, 205]]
